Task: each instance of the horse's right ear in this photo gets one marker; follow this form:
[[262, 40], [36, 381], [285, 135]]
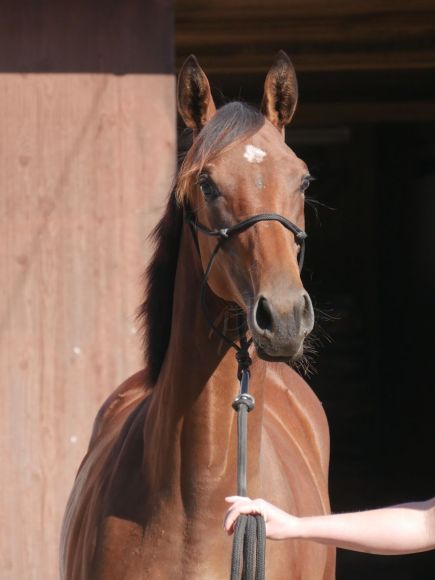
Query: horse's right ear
[[195, 103]]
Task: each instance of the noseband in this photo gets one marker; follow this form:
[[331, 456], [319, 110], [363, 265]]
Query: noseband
[[225, 233], [249, 542]]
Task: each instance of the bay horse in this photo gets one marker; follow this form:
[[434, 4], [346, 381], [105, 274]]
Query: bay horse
[[148, 500]]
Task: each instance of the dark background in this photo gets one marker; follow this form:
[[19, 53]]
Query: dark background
[[371, 267]]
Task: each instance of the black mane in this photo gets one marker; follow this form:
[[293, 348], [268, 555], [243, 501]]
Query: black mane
[[156, 310]]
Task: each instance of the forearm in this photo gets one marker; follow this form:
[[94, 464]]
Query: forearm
[[399, 529]]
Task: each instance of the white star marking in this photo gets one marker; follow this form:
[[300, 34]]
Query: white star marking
[[254, 154]]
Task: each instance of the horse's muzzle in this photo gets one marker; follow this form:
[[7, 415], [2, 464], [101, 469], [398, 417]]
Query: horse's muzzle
[[280, 324]]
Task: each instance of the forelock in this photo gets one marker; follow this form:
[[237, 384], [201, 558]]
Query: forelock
[[230, 125]]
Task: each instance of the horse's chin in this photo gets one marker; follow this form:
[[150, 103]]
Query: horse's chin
[[289, 359]]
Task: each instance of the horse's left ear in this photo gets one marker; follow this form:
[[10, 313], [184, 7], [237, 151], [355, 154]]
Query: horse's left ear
[[195, 102], [280, 92]]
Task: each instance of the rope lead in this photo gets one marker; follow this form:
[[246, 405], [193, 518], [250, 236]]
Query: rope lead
[[249, 548], [249, 542]]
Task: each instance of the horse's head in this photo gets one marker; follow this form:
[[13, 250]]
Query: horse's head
[[239, 166]]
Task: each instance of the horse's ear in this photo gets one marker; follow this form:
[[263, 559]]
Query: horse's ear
[[195, 102], [280, 92]]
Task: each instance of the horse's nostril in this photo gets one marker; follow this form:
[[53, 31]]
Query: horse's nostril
[[263, 315], [307, 305], [307, 319]]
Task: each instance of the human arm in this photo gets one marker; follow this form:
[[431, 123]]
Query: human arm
[[400, 529]]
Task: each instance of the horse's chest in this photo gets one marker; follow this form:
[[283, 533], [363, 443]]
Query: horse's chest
[[128, 554], [168, 549]]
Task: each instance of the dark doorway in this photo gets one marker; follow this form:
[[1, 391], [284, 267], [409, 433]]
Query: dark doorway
[[371, 269]]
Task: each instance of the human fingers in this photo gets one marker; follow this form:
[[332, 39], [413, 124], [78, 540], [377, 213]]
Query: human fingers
[[236, 498], [241, 507], [231, 515], [229, 519]]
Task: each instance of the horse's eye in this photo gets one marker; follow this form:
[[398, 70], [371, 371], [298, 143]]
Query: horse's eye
[[208, 188], [305, 183]]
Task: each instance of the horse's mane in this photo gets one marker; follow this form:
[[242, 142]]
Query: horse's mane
[[232, 123], [156, 310]]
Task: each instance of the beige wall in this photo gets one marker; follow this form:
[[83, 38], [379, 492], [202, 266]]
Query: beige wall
[[85, 162]]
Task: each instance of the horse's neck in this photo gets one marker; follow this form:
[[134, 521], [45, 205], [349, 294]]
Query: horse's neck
[[191, 428]]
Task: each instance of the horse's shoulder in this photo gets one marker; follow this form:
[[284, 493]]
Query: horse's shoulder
[[292, 407], [118, 406], [83, 514]]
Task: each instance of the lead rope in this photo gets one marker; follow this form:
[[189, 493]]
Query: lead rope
[[249, 542]]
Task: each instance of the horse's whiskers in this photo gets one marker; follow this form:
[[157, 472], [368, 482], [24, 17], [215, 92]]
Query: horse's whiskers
[[224, 331]]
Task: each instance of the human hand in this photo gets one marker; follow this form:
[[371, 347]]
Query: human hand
[[279, 524]]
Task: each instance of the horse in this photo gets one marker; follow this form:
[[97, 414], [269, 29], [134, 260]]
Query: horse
[[148, 499]]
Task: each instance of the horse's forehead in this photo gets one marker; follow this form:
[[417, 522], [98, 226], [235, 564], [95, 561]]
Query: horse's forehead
[[265, 151]]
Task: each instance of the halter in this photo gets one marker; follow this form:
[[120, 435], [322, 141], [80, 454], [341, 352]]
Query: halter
[[224, 234], [249, 543]]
